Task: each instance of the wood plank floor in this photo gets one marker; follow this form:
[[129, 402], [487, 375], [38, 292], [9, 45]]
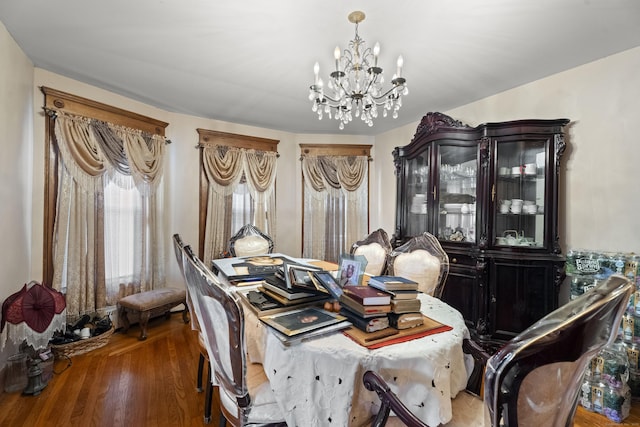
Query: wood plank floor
[[144, 383]]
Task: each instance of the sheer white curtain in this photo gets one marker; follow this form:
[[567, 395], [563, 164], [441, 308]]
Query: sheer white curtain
[[237, 179], [108, 240], [336, 203]]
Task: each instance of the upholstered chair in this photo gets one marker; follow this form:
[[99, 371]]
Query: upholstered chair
[[249, 241], [422, 260], [375, 248]]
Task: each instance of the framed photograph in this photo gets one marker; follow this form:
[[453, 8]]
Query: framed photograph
[[328, 282], [299, 276], [351, 269], [295, 322]]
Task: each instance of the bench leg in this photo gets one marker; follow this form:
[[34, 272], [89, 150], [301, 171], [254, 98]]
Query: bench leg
[[185, 314], [144, 320], [124, 319]]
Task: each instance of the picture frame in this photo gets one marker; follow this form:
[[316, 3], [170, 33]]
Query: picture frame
[[329, 283], [351, 269], [299, 276], [296, 322]]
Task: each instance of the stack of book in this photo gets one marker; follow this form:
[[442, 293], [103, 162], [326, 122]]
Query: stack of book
[[365, 307], [405, 305]]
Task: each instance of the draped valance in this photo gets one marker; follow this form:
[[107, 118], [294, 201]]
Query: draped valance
[[91, 148]]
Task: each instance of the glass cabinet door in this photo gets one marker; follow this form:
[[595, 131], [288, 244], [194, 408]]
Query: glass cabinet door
[[458, 171], [417, 194], [520, 194]]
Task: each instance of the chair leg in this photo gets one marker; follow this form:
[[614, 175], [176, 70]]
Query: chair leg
[[208, 398], [200, 370]]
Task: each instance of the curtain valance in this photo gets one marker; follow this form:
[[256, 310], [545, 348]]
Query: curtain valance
[[334, 174], [225, 166], [91, 148]]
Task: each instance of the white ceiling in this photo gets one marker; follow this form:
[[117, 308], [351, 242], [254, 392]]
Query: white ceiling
[[251, 61]]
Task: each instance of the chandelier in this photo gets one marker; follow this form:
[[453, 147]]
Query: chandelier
[[355, 87]]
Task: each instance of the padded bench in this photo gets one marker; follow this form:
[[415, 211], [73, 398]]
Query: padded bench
[[149, 304]]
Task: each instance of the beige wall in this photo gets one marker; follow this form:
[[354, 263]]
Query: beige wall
[[600, 178], [16, 143]]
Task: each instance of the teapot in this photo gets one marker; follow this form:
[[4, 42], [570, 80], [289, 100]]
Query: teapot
[[511, 237]]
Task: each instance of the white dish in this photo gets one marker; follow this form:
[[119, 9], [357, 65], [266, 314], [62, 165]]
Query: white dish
[[452, 207]]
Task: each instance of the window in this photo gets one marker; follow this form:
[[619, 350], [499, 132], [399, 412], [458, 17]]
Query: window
[[336, 198], [237, 187]]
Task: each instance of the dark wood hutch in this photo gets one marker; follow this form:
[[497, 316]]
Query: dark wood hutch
[[490, 195]]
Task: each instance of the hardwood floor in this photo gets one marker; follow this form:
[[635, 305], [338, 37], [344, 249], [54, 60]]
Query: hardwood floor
[[126, 383], [145, 383]]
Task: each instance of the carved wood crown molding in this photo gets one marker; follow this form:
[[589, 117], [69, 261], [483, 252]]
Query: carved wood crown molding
[[55, 100], [335, 150], [433, 121], [211, 138]]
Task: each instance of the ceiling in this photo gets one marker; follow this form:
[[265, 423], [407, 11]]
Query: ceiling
[[251, 61]]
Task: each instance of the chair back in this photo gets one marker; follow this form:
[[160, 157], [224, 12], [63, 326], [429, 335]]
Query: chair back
[[535, 379], [178, 247], [249, 241], [422, 260], [221, 321], [375, 248]]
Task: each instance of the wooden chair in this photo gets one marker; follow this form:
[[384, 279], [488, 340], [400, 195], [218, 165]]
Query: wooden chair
[[535, 378], [245, 394], [375, 248], [248, 241], [423, 260], [179, 249]]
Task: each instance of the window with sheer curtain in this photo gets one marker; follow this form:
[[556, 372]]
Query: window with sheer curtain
[[237, 187], [104, 204], [336, 198]]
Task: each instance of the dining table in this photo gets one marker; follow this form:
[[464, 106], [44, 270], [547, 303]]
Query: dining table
[[318, 382]]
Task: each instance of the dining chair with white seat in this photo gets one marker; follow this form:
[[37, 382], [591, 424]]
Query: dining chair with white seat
[[422, 260], [249, 241], [535, 378], [246, 397], [375, 248]]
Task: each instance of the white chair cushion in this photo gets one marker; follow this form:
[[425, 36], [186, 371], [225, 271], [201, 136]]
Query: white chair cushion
[[376, 257], [419, 266], [264, 408], [251, 245]]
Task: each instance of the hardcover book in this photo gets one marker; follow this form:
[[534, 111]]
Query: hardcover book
[[392, 283], [366, 295], [364, 310], [405, 320], [370, 324], [401, 294], [405, 305]]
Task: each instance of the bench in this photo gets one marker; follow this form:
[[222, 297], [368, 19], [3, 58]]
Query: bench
[[150, 304]]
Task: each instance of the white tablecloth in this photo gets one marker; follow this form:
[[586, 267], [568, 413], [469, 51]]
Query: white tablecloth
[[319, 382]]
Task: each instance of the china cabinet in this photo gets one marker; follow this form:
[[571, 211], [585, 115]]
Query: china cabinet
[[490, 195]]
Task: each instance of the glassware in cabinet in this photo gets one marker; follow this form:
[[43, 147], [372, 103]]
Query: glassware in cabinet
[[519, 190]]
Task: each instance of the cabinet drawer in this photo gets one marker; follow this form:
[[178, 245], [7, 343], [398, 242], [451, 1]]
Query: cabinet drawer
[[462, 261]]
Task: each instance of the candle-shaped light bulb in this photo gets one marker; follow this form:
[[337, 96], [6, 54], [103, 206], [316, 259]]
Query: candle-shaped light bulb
[[336, 55], [400, 63], [376, 52], [316, 70]]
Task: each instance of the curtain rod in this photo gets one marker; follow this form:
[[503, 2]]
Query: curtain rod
[[54, 114]]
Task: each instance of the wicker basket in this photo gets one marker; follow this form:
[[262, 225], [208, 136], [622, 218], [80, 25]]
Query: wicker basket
[[82, 346]]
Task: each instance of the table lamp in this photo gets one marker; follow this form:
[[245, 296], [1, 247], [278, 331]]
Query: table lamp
[[32, 315]]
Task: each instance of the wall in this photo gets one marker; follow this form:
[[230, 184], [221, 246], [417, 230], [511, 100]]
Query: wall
[[600, 177], [16, 105]]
